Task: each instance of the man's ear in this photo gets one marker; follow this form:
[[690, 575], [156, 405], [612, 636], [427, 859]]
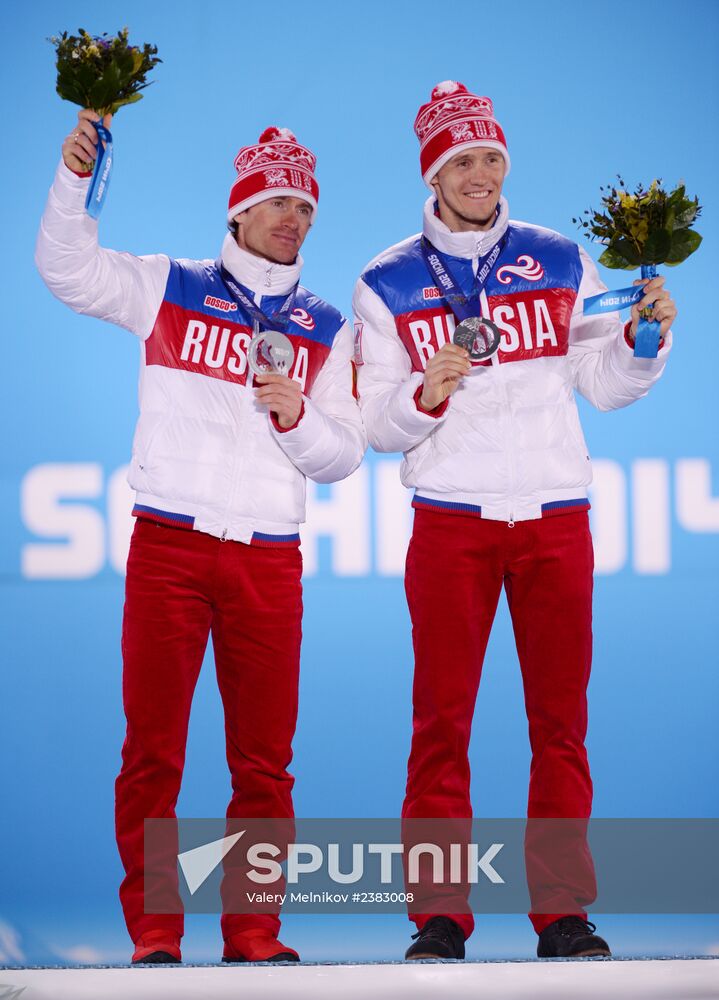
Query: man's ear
[[239, 221]]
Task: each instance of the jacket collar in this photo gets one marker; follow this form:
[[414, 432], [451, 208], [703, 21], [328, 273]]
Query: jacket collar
[[472, 244], [257, 273]]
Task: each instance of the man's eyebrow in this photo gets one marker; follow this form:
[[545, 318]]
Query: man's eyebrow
[[469, 153]]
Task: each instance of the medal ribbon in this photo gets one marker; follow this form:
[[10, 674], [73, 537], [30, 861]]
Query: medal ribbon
[[438, 266], [646, 341], [280, 319], [100, 180], [623, 298]]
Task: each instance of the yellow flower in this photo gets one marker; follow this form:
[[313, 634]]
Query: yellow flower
[[639, 228]]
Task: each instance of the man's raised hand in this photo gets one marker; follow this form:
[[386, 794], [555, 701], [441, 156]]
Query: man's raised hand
[[79, 150]]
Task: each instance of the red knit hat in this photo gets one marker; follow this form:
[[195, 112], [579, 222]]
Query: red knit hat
[[454, 120], [277, 166]]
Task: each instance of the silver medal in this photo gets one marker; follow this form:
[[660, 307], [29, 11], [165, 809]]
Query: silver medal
[[270, 353], [478, 336]]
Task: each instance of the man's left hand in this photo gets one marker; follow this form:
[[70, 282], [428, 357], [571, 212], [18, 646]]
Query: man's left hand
[[664, 309], [282, 395]]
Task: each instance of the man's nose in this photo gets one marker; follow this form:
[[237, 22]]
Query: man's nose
[[480, 175]]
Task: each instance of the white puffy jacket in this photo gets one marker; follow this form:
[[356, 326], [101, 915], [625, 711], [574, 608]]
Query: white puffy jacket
[[508, 445], [205, 454]]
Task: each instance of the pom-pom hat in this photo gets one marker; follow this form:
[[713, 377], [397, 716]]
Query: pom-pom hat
[[454, 120], [278, 166]]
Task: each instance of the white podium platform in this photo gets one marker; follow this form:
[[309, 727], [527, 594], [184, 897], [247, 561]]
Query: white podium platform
[[583, 979]]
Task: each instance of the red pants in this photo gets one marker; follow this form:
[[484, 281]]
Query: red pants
[[456, 567], [181, 586]]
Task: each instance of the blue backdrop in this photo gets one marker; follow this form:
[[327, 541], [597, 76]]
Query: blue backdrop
[[582, 91]]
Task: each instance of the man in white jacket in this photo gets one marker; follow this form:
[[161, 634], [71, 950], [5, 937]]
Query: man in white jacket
[[494, 452], [219, 462]]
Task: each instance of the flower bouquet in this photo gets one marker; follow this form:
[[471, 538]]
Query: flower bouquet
[[102, 73], [646, 227]]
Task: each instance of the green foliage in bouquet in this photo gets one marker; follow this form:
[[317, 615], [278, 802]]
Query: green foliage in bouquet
[[645, 227], [99, 72]]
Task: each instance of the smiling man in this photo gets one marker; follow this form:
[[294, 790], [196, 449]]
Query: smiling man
[[218, 464], [468, 188], [495, 455]]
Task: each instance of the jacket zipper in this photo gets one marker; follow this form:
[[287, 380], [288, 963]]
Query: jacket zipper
[[237, 462], [511, 453], [235, 476], [500, 372]]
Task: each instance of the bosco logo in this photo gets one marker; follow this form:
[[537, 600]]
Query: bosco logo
[[221, 304]]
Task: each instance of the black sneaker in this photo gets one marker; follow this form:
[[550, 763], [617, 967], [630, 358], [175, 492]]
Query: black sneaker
[[157, 958], [157, 947], [571, 936], [439, 938]]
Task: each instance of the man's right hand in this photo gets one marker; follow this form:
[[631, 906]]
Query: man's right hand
[[79, 150], [444, 371]]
